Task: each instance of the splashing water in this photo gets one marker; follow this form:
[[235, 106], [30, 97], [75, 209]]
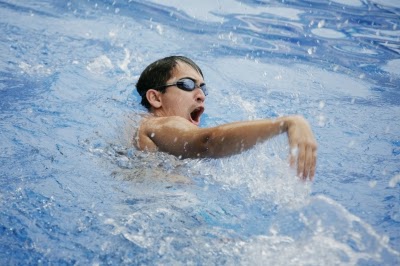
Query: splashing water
[[73, 190]]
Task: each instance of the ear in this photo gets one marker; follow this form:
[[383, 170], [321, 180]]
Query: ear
[[154, 98]]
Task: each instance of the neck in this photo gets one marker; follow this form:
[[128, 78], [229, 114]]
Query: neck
[[158, 112]]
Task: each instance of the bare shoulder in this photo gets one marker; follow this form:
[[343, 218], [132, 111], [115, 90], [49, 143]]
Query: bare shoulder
[[153, 129], [142, 139]]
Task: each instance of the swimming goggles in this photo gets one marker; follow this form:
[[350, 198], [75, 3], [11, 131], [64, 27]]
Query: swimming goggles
[[186, 84]]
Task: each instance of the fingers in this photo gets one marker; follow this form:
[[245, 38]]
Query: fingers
[[306, 160], [313, 163], [301, 162], [307, 163], [294, 152]]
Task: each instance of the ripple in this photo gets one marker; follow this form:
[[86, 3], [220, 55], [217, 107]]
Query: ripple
[[392, 3], [209, 10], [355, 50], [356, 3], [328, 33]]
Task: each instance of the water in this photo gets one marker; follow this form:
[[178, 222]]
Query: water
[[74, 191]]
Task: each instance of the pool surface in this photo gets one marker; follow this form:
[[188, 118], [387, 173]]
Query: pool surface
[[73, 190]]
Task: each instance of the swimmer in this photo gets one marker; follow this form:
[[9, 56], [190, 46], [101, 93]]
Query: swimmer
[[174, 92]]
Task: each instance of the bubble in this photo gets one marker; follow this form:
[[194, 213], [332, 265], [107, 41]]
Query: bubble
[[112, 34], [321, 120], [160, 29], [394, 181], [372, 183]]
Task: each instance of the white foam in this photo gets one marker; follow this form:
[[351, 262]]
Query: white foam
[[34, 69], [264, 170], [100, 65], [393, 67], [125, 62]]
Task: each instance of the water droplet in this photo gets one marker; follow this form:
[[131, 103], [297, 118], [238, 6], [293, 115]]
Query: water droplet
[[321, 23], [321, 120], [372, 183], [160, 29], [394, 181]]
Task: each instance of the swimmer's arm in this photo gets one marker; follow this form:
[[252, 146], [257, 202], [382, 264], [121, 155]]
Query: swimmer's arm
[[179, 137]]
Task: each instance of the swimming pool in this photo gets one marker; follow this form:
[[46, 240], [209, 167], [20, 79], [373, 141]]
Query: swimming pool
[[73, 190]]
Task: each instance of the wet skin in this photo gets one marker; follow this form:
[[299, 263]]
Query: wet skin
[[173, 128]]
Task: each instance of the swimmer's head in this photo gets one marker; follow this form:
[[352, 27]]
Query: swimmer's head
[[158, 73]]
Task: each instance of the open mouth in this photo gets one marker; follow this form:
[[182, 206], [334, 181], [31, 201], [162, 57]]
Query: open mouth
[[195, 115]]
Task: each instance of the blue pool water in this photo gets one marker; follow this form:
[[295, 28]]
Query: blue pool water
[[74, 191]]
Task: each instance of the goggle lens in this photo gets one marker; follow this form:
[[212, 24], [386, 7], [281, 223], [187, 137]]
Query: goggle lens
[[190, 85]]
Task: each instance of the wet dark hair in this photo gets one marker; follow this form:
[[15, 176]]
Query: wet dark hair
[[158, 73]]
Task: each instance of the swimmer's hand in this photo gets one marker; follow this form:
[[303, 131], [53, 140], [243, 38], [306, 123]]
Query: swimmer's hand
[[303, 147]]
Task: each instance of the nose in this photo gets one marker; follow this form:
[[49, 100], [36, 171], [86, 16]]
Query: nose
[[200, 97]]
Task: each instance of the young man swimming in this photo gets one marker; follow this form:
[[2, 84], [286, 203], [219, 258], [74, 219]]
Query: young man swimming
[[174, 92]]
